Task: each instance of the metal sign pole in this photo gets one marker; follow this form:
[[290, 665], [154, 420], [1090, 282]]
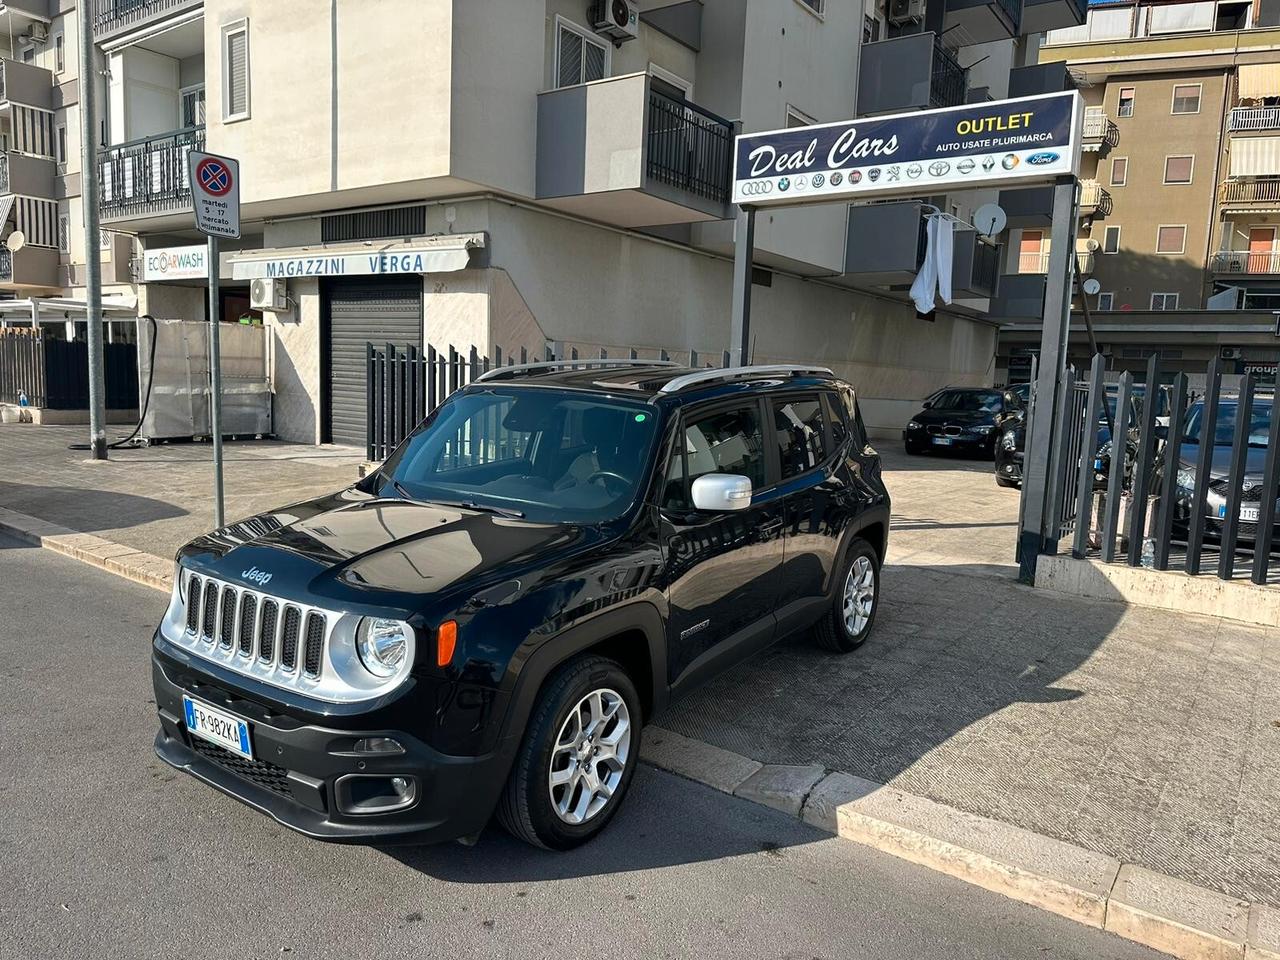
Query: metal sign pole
[[215, 380], [744, 243], [92, 253], [1038, 532]]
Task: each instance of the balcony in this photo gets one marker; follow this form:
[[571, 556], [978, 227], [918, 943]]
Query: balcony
[[25, 84], [968, 22], [1020, 296], [26, 175], [622, 153], [1100, 134], [1246, 262], [913, 72], [1249, 194], [114, 18], [1254, 118], [1039, 262], [1094, 201], [148, 177], [1040, 16], [29, 267]]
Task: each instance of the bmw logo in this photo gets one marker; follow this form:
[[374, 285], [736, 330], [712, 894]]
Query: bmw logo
[[873, 174], [914, 171], [784, 185], [855, 176], [966, 165], [1010, 161], [818, 180], [939, 168], [1040, 159], [988, 163], [837, 178]]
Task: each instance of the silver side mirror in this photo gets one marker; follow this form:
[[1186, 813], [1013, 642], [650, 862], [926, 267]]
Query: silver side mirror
[[719, 492]]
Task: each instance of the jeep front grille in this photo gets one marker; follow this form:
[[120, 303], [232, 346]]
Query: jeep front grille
[[256, 634]]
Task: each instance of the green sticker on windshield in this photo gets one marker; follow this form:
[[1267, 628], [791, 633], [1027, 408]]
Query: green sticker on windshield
[[641, 417]]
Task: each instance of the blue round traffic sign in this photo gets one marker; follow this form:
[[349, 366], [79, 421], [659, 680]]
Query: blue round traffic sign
[[214, 177]]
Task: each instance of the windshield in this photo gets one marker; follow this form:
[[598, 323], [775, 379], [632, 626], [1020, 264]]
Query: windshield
[[968, 401], [1224, 430], [550, 455]]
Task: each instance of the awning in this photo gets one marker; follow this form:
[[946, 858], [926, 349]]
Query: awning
[[1258, 80], [428, 255], [51, 309], [1255, 157]]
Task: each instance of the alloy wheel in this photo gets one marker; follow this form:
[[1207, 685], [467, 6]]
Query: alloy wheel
[[590, 756], [859, 596]]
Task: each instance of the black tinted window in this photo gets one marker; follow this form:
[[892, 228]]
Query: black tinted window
[[839, 429], [801, 440], [730, 441]]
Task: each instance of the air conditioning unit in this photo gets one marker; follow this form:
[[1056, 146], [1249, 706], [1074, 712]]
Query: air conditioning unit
[[906, 11], [1230, 353], [617, 19], [39, 32], [268, 294]]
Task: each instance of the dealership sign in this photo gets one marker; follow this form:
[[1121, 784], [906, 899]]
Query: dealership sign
[[175, 263], [1006, 142]]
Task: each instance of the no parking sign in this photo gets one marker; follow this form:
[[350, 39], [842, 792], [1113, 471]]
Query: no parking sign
[[215, 190]]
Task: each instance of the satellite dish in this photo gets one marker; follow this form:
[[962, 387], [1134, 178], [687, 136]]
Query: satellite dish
[[1092, 245], [1092, 286], [16, 241], [990, 219]]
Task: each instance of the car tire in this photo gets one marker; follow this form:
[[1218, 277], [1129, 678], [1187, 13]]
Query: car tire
[[596, 773], [847, 625]]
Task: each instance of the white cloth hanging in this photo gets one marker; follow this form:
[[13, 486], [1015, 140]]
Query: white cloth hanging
[[934, 278]]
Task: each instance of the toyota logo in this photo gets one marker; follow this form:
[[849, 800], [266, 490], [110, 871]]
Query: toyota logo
[[756, 188]]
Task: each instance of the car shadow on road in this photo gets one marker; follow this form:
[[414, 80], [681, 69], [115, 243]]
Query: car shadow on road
[[667, 821], [86, 509]]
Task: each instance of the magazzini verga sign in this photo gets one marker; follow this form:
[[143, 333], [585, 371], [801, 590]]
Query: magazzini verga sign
[[1006, 142]]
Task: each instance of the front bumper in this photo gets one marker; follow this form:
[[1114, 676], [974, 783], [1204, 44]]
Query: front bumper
[[294, 776], [965, 442], [1009, 464]]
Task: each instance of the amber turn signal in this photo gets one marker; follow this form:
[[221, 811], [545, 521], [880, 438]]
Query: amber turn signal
[[446, 640]]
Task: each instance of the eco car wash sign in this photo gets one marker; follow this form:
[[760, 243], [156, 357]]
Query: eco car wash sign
[[215, 192], [1008, 142], [175, 263]]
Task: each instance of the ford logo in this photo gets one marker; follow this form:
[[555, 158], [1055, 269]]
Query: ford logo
[[1040, 159]]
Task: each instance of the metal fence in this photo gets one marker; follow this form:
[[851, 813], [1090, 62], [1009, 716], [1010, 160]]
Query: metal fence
[[148, 175], [689, 147], [54, 374], [1199, 494], [949, 81], [405, 384]]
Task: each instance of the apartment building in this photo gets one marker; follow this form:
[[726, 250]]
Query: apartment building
[[519, 174], [1179, 204]]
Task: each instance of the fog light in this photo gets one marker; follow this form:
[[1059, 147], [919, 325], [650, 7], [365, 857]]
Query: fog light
[[378, 745], [364, 793]]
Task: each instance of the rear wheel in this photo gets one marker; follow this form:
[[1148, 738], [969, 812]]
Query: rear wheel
[[577, 758], [847, 625]]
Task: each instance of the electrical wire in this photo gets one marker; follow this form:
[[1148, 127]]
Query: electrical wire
[[146, 400]]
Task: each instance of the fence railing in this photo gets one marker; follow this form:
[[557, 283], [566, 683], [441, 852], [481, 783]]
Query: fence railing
[[148, 175], [949, 81], [1200, 494], [405, 384], [1250, 190], [1038, 262], [112, 15], [689, 147], [54, 373], [1255, 118], [1246, 261], [1100, 127]]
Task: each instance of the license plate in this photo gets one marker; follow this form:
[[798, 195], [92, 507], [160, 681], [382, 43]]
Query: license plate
[[217, 727], [942, 441], [1249, 514]]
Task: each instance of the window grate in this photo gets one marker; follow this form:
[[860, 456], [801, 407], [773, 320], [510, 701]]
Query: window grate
[[374, 224]]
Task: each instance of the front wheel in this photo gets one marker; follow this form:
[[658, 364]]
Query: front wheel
[[577, 758], [847, 625]]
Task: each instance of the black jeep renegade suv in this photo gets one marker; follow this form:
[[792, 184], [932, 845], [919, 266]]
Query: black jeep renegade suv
[[486, 622]]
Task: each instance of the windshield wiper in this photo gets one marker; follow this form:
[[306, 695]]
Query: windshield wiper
[[402, 491], [481, 508]]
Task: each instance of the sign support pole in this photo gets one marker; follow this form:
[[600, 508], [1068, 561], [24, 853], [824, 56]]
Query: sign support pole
[[744, 245], [215, 380], [92, 253], [1038, 532]]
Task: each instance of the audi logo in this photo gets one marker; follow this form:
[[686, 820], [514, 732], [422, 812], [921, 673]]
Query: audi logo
[[756, 188]]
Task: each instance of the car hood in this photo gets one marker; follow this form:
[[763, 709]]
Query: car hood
[[1220, 465], [353, 549], [962, 418]]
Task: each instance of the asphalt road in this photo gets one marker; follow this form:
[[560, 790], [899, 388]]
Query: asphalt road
[[106, 852]]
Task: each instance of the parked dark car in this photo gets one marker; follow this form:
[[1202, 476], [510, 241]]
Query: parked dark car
[[487, 621], [1252, 494], [1012, 443], [958, 419]]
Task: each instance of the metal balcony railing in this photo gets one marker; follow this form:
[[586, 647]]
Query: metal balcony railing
[[1094, 199], [1039, 262], [689, 147], [4, 173], [1099, 128], [6, 264], [111, 16], [1246, 261], [950, 81], [148, 175], [1254, 118], [1250, 190]]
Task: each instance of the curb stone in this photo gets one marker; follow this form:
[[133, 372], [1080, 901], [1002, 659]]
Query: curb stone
[[1161, 912], [1167, 914]]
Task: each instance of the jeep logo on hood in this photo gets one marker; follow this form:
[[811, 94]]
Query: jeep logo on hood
[[254, 575]]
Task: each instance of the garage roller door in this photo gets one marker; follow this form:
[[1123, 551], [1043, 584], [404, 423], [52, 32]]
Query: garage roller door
[[382, 311]]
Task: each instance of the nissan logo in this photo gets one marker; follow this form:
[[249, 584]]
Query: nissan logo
[[756, 188]]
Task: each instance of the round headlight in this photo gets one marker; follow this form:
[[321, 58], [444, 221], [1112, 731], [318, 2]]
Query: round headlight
[[913, 425], [383, 645]]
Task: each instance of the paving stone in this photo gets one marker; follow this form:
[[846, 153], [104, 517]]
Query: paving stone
[[1176, 917], [781, 786]]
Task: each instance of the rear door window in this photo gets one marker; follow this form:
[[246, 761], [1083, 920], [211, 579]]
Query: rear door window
[[801, 432]]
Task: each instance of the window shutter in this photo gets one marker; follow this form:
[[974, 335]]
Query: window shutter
[[570, 58], [592, 62], [238, 73]]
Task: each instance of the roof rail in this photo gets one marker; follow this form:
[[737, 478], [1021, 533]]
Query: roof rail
[[734, 373], [546, 366]]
